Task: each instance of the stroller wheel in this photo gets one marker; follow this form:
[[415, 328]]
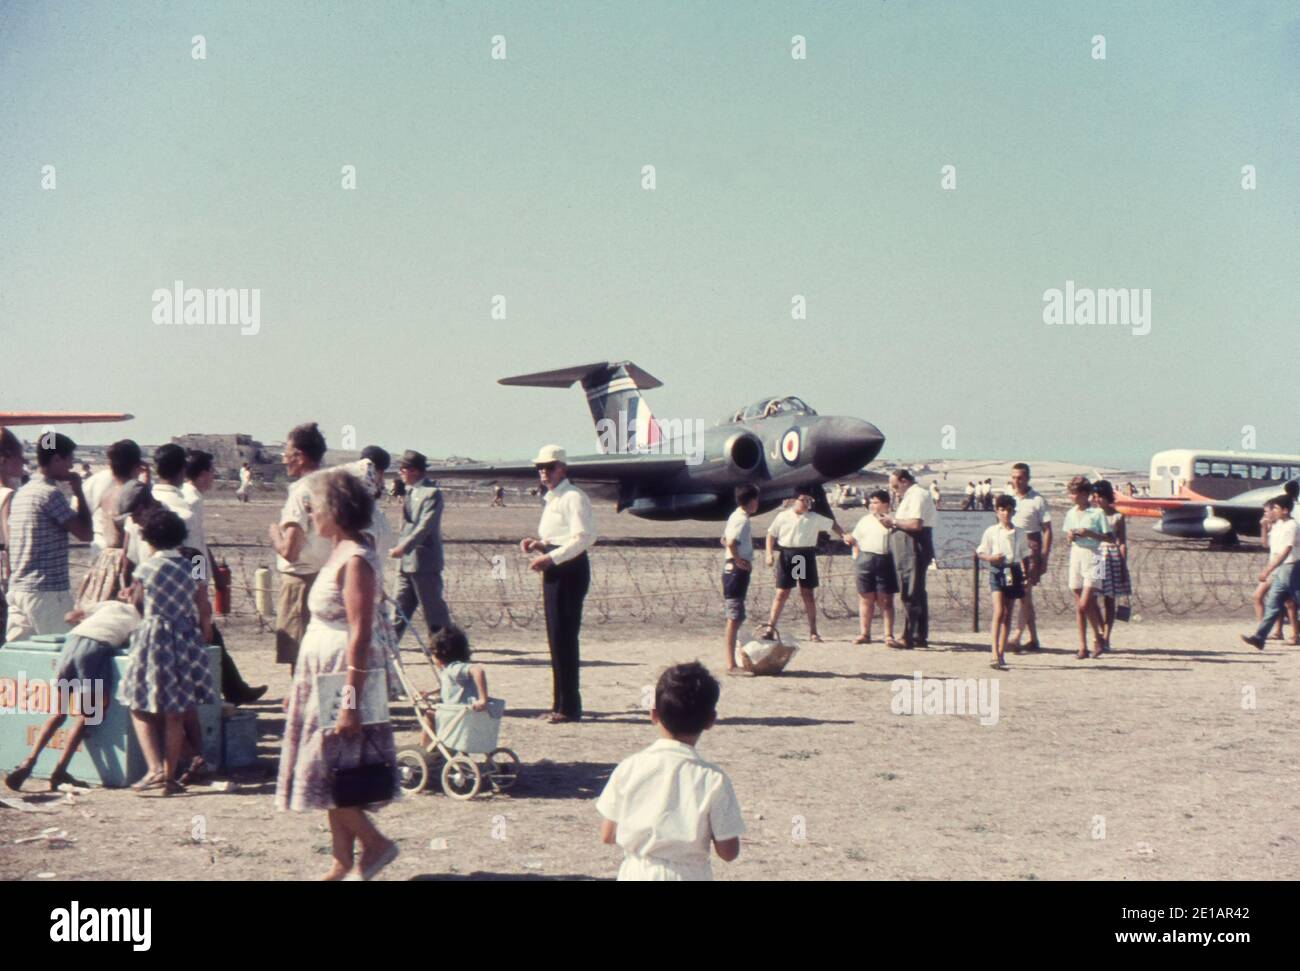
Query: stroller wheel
[[502, 769], [412, 771], [461, 778]]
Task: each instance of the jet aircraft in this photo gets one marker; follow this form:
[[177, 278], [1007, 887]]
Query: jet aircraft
[[671, 470]]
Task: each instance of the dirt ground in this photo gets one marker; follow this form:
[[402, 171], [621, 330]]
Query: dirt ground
[[1171, 758]]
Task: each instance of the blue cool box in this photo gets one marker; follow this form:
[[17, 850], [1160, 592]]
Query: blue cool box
[[109, 753]]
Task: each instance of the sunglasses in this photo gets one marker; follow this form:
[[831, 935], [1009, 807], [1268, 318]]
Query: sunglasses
[[547, 467]]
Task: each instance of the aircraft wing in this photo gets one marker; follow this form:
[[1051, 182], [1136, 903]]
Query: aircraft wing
[[587, 468], [61, 417]]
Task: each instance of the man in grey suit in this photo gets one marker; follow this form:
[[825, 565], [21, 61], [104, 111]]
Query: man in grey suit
[[419, 578]]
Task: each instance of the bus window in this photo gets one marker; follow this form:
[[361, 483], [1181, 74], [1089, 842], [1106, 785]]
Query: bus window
[[1259, 471], [1240, 470], [1277, 473], [1219, 470], [1200, 469]]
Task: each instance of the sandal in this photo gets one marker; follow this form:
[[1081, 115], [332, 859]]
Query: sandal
[[171, 787], [151, 782], [896, 644], [193, 771], [864, 639], [1082, 655], [65, 778], [815, 638]]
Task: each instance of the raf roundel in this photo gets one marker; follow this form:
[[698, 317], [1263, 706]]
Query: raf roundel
[[790, 446]]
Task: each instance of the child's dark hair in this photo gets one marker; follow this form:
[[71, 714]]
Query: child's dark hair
[[1282, 502], [1005, 501], [880, 494], [1080, 484], [169, 462], [450, 644], [47, 448], [686, 697], [197, 462], [1104, 489], [124, 459], [746, 494], [162, 529]]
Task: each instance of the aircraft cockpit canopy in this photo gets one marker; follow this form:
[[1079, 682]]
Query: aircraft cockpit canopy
[[769, 407]]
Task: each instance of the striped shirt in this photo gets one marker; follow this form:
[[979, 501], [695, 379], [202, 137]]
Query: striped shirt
[[38, 549]]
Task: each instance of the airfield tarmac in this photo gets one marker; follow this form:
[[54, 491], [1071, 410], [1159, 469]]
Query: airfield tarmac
[[1170, 758]]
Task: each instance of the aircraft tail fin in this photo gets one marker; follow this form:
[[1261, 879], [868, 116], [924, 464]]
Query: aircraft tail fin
[[613, 390]]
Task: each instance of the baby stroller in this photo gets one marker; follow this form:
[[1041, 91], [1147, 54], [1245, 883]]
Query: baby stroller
[[456, 732]]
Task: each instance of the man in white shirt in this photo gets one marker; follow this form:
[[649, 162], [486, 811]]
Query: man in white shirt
[[169, 476], [1034, 516], [912, 544], [1280, 573], [566, 531], [795, 530], [300, 550], [245, 481]]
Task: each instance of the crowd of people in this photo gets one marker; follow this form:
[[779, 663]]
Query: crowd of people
[[149, 580]]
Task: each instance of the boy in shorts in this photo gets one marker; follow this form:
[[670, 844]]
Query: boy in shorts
[[738, 538], [666, 806], [1006, 550], [874, 566], [87, 652]]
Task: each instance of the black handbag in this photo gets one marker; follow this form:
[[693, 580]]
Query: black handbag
[[367, 783]]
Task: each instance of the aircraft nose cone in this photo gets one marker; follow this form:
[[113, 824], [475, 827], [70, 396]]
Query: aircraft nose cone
[[841, 446]]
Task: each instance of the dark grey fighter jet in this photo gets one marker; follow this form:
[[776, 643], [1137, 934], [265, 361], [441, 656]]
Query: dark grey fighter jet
[[680, 470]]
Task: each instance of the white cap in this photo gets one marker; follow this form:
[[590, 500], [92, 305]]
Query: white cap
[[551, 453]]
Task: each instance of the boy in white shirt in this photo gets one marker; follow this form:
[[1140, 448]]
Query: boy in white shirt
[[1006, 550], [738, 538], [874, 565], [1280, 571], [796, 529], [665, 806]]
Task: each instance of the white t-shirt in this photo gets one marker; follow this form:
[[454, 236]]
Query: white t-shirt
[[93, 489], [110, 621], [917, 503], [1032, 512], [739, 529], [315, 549], [872, 535], [670, 805], [798, 532], [198, 530], [1010, 543], [1281, 535]]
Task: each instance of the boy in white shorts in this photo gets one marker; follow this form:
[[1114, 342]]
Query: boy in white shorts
[[665, 806], [1085, 529]]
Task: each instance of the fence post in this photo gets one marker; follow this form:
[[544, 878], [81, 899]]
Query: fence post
[[975, 589]]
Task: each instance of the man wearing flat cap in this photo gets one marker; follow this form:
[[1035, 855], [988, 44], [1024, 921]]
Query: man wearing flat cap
[[564, 535], [419, 578]]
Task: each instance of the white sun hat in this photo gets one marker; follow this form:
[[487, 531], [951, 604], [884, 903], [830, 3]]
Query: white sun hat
[[551, 453]]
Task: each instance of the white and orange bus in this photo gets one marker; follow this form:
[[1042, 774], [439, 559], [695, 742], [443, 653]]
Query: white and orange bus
[[1183, 475]]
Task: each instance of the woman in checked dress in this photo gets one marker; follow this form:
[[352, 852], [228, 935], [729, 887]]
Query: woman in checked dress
[[167, 673], [339, 638], [1114, 557]]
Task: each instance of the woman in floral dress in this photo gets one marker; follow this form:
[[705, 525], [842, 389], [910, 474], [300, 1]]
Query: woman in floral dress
[[339, 638]]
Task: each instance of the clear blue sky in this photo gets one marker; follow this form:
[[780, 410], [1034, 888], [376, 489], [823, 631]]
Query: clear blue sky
[[775, 177]]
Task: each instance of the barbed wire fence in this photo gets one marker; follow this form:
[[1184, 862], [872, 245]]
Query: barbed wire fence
[[487, 583]]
